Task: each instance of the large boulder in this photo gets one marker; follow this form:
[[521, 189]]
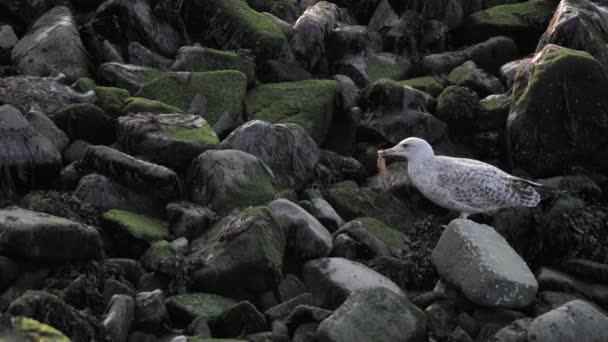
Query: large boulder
[[43, 237], [374, 314], [579, 25], [37, 53], [523, 21], [227, 179], [44, 94], [559, 115], [160, 182], [173, 140], [310, 32], [306, 237], [574, 321], [208, 94], [201, 59], [28, 159], [480, 263], [85, 121], [286, 148], [332, 280], [310, 104], [232, 24], [27, 329], [241, 256]]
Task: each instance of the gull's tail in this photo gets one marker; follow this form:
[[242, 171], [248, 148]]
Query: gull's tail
[[543, 190]]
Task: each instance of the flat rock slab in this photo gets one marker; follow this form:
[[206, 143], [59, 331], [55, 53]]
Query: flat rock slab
[[332, 280], [43, 237], [479, 262], [572, 322]]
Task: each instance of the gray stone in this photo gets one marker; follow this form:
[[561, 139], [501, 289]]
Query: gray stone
[[150, 309], [45, 126], [140, 55], [287, 149], [480, 263], [189, 219], [8, 40], [306, 237], [324, 212], [118, 318], [310, 32], [374, 314], [514, 332], [43, 237], [572, 322], [549, 279], [37, 53], [332, 280], [227, 179], [281, 311], [127, 76]]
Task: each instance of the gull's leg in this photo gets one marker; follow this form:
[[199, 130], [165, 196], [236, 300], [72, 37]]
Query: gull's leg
[[464, 216]]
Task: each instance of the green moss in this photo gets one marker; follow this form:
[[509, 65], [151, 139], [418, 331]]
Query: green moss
[[85, 84], [158, 252], [262, 34], [284, 9], [514, 15], [204, 134], [382, 67], [307, 103], [139, 226], [428, 84], [388, 235], [207, 59], [111, 99], [32, 330], [224, 91], [198, 305], [141, 105]]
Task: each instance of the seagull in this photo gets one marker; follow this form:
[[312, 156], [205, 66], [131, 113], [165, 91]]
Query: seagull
[[464, 185]]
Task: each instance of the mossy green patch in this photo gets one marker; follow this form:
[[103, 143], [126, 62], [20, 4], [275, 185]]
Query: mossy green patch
[[111, 99], [431, 85], [203, 134], [206, 59], [224, 91], [284, 9], [85, 84], [381, 66], [32, 330], [141, 105], [388, 235], [139, 226], [158, 252], [307, 103], [198, 305]]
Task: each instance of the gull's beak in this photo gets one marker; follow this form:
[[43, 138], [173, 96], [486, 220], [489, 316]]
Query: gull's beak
[[384, 153]]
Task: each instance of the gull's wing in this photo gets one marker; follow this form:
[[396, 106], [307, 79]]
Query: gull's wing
[[480, 185]]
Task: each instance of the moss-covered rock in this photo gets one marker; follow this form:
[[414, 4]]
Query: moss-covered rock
[[227, 179], [191, 306], [386, 65], [223, 90], [470, 76], [111, 99], [30, 330], [159, 254], [524, 22], [284, 9], [278, 70], [352, 202], [141, 105], [458, 107], [391, 237], [309, 104], [85, 121], [232, 24], [133, 232], [201, 59], [559, 115], [85, 84], [493, 112], [431, 85], [245, 248], [52, 310], [173, 140]]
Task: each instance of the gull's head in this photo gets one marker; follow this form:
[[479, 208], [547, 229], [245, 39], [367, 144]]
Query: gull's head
[[411, 149]]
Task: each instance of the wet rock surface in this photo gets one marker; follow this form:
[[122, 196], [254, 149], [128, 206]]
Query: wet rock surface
[[207, 170]]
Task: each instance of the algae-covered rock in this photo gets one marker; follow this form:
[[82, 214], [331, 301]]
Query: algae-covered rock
[[386, 65], [227, 179], [284, 9], [188, 307], [223, 91], [559, 115], [141, 105], [470, 76], [524, 22], [43, 237], [173, 140], [111, 99], [458, 107], [244, 248], [232, 24], [38, 305], [278, 70], [493, 112], [201, 59], [361, 228], [310, 32], [133, 233], [30, 330], [159, 257], [310, 104], [353, 202], [431, 85], [86, 122]]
